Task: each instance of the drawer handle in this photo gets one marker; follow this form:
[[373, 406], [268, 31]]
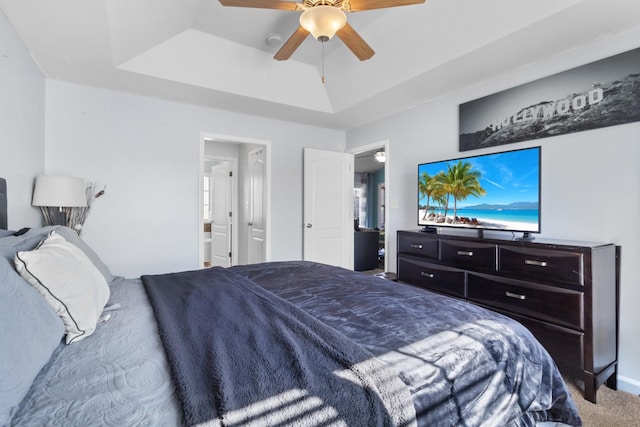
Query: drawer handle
[[534, 262], [516, 296], [465, 253], [429, 275], [415, 245]]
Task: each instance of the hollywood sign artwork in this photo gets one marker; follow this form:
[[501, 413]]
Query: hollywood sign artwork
[[551, 108]]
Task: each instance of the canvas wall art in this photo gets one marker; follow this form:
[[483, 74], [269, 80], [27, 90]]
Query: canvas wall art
[[600, 94]]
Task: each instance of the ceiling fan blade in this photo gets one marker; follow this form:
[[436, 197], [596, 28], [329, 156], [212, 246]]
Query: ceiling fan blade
[[358, 5], [292, 44], [355, 43], [262, 4]]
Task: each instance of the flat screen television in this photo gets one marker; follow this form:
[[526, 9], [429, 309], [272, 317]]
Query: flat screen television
[[497, 191]]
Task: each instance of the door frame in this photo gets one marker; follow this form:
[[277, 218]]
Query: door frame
[[387, 211], [208, 136]]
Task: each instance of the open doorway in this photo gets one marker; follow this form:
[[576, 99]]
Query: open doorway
[[233, 193], [370, 214]]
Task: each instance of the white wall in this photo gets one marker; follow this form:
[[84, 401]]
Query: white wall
[[146, 151], [590, 180], [21, 126]]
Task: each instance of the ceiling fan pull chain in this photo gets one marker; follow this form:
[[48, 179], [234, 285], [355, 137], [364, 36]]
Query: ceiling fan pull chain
[[322, 61]]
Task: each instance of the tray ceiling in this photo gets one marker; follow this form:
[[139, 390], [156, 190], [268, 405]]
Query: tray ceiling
[[200, 52]]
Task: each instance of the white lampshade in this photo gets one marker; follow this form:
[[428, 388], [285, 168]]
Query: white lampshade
[[323, 21], [59, 191]]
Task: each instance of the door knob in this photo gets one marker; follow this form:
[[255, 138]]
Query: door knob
[[249, 224], [309, 225]]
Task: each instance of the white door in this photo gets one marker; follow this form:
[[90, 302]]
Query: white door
[[328, 207], [221, 220], [257, 208]]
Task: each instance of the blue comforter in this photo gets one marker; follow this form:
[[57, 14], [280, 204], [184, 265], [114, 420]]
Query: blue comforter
[[240, 355], [463, 365]]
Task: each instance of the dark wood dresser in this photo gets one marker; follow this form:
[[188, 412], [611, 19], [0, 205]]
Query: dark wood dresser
[[564, 292]]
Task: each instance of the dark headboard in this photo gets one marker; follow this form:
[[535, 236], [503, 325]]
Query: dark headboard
[[3, 204]]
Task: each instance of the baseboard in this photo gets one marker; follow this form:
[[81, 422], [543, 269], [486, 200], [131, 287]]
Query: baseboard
[[629, 385]]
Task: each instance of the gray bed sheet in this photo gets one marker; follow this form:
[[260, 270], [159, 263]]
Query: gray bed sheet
[[117, 377]]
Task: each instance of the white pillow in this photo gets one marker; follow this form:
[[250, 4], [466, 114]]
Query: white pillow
[[68, 280]]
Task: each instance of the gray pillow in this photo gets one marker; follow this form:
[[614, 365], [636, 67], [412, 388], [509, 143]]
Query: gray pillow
[[72, 236], [4, 233], [9, 245], [31, 331], [29, 240]]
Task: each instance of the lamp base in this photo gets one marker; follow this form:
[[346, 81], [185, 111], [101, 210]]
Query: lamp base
[[59, 217]]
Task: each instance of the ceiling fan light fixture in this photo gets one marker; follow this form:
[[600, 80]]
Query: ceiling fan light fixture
[[323, 21], [380, 156]]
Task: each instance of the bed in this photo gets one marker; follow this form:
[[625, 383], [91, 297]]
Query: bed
[[279, 343]]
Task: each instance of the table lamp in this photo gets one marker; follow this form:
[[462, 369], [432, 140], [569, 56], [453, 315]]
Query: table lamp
[[53, 191]]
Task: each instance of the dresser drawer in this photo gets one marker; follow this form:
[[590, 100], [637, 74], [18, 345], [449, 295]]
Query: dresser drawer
[[468, 254], [434, 277], [417, 245], [544, 264], [566, 346], [556, 305]]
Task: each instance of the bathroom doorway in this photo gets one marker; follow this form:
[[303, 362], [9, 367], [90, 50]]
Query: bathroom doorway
[[233, 193]]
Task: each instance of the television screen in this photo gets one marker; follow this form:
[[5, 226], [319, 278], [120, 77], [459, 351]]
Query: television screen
[[499, 191]]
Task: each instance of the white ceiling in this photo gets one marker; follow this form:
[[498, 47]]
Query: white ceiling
[[199, 52]]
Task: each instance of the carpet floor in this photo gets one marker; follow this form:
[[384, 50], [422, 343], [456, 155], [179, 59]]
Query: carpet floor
[[614, 408]]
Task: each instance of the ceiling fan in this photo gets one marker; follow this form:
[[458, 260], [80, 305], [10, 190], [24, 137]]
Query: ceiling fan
[[323, 19], [378, 154]]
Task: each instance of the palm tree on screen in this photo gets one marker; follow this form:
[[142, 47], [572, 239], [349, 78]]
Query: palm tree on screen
[[425, 187], [461, 181]]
